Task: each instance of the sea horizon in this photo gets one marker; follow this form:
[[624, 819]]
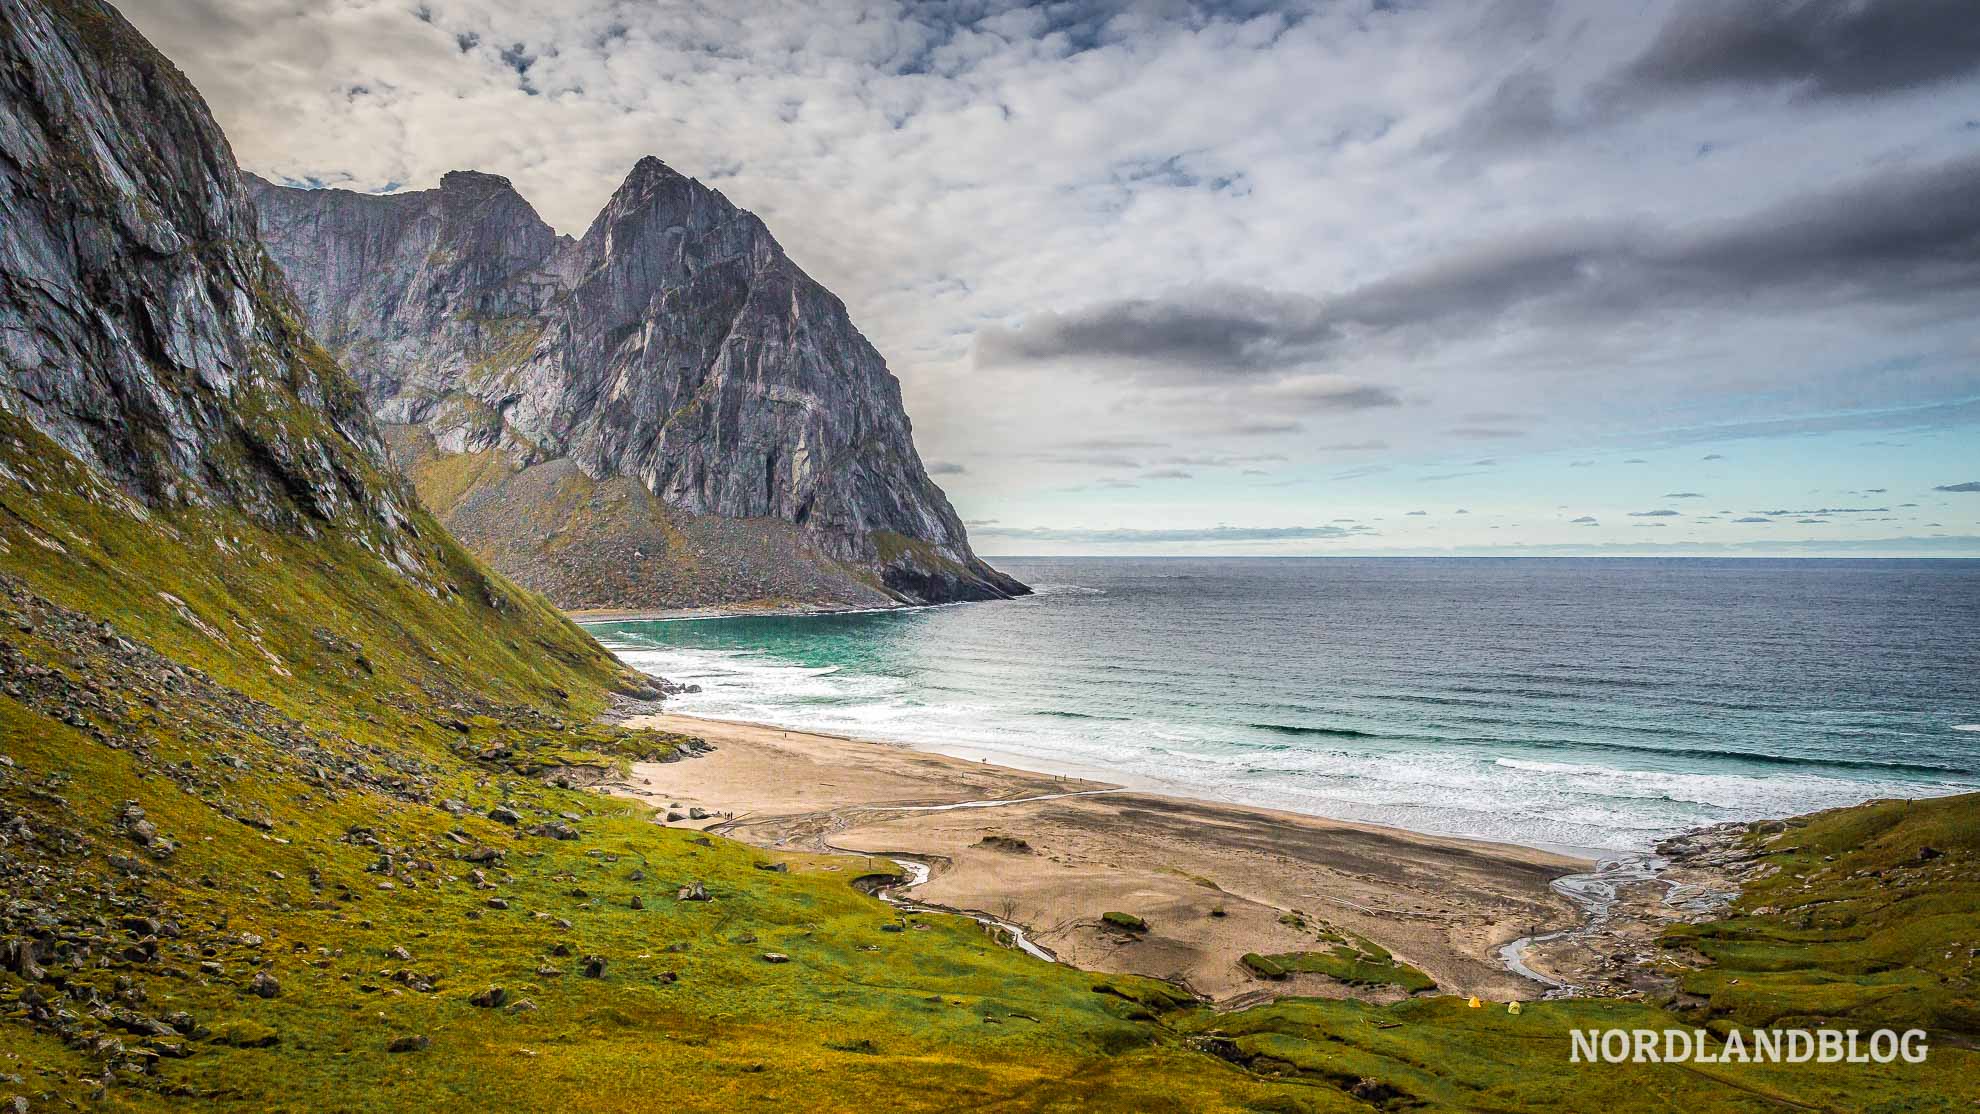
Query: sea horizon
[[1402, 711]]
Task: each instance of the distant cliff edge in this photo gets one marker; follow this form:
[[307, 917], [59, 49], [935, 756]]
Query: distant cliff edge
[[667, 412]]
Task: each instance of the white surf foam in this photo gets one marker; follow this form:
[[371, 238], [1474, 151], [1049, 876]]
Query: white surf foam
[[1410, 783]]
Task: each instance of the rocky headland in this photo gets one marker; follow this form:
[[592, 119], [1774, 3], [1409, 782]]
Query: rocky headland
[[665, 412]]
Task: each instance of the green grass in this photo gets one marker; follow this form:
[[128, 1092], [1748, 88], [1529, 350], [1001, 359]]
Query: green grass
[[1871, 919], [336, 702], [334, 696], [1438, 1053], [1345, 957], [1345, 963]]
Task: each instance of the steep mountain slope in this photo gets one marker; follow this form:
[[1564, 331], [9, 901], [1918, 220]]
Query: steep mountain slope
[[665, 412]]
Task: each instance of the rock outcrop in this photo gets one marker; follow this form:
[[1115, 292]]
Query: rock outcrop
[[664, 412], [142, 328], [167, 424]]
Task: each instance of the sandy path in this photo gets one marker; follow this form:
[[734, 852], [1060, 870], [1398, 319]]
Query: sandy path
[[1213, 881]]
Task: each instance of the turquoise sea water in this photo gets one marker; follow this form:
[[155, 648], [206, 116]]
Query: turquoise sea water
[[1582, 703]]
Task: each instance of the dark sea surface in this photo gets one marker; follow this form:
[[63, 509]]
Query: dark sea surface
[[1594, 703]]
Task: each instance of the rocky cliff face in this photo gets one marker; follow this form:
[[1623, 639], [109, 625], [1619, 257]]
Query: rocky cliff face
[[142, 328], [174, 448], [708, 421]]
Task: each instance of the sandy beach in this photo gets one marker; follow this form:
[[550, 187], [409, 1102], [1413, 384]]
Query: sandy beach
[[1212, 881]]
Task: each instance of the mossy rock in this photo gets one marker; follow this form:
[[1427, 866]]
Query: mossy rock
[[1153, 994], [1126, 922], [1263, 966], [1345, 963], [244, 1032]]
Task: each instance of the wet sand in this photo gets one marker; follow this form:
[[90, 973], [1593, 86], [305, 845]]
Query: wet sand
[[1213, 881]]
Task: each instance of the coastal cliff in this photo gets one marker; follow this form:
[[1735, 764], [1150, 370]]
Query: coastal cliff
[[665, 412], [143, 329]]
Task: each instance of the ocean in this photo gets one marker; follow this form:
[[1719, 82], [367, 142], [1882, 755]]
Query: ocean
[[1593, 704]]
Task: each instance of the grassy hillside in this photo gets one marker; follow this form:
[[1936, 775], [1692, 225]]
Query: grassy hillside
[[1871, 920], [317, 744], [233, 753]]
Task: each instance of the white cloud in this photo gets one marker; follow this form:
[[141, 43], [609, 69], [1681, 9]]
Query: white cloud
[[992, 173]]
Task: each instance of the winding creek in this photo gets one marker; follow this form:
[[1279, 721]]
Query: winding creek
[[1595, 893], [917, 871]]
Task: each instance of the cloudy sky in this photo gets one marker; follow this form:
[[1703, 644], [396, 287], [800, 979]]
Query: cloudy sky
[[1233, 277]]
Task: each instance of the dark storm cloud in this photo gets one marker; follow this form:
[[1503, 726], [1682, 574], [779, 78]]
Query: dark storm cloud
[[946, 468], [1653, 514], [1224, 330], [1906, 235], [1683, 495], [1973, 486], [1827, 48]]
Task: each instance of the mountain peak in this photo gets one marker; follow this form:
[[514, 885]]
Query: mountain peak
[[649, 166], [474, 182], [650, 178], [752, 441]]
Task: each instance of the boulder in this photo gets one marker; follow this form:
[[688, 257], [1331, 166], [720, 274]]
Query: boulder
[[1124, 922]]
